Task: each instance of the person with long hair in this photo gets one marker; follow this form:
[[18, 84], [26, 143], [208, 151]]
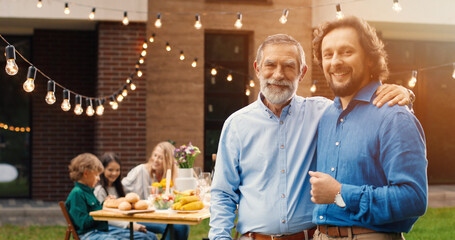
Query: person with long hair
[[142, 176], [110, 186]]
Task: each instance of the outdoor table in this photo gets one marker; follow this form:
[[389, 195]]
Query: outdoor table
[[169, 217]]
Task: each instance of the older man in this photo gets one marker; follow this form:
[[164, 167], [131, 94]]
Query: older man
[[266, 150], [371, 161]]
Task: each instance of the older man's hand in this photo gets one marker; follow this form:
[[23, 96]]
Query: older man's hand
[[394, 94], [323, 188]]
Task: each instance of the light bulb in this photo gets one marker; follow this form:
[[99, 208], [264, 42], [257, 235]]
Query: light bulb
[[141, 60], [396, 6], [143, 53], [67, 9], [139, 73], [313, 88], [92, 14], [78, 110], [132, 86], [238, 23], [11, 67], [144, 45], [66, 106], [113, 103], [152, 38], [197, 23], [252, 83], [124, 91], [339, 13], [229, 77], [453, 74], [194, 63], [247, 92], [119, 98], [89, 111], [412, 82], [29, 84], [213, 72], [182, 56], [168, 47], [50, 96], [99, 107], [39, 4], [158, 21], [284, 17], [125, 20]]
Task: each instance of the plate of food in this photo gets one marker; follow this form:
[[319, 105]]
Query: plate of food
[[188, 204], [130, 204]]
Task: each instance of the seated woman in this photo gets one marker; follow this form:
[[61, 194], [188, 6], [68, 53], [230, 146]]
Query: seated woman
[[110, 186], [143, 175]]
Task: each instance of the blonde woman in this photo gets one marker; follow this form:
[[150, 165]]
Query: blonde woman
[[143, 175]]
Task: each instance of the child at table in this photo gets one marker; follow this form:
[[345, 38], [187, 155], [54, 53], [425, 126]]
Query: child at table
[[143, 175], [110, 186], [84, 171]]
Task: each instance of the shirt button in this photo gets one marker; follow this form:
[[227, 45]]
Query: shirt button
[[282, 195], [332, 169], [282, 146], [281, 122], [337, 143], [342, 120], [282, 171], [283, 221], [321, 217]]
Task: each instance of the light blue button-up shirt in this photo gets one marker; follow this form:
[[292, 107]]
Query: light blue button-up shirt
[[379, 157], [262, 166]]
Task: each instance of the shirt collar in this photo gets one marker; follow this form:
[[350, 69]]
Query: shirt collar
[[365, 94], [286, 110], [84, 187]]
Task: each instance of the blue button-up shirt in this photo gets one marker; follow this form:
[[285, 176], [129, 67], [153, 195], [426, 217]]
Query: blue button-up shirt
[[379, 157], [262, 165]]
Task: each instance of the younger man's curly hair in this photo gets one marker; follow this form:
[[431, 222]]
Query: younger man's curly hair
[[82, 162]]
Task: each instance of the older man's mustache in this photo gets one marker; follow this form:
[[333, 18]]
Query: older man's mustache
[[277, 82]]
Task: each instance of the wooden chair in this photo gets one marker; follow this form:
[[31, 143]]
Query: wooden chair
[[70, 230]]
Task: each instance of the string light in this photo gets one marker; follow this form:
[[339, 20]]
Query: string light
[[11, 67], [50, 96], [313, 87], [120, 98], [125, 91], [141, 60], [168, 47], [66, 106], [252, 83], [144, 52], [182, 56], [29, 84], [229, 77], [67, 9], [92, 14], [339, 13], [194, 63], [39, 4], [413, 81], [238, 23], [13, 128], [396, 6], [78, 110], [453, 74], [125, 20], [113, 103], [144, 45], [99, 107], [213, 72], [197, 23], [158, 21], [130, 82], [247, 92], [284, 17], [152, 38], [89, 111]]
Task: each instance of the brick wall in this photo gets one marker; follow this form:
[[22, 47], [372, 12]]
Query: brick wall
[[322, 87], [121, 131], [68, 57]]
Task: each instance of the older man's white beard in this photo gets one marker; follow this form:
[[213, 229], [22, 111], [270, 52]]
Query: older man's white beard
[[278, 95]]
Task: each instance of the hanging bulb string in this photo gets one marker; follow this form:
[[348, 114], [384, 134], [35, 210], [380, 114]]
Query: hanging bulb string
[[423, 69], [58, 84]]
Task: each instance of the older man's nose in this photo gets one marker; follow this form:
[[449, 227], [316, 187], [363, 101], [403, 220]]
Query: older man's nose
[[278, 74]]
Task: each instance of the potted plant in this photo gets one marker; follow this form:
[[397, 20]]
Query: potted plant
[[184, 158]]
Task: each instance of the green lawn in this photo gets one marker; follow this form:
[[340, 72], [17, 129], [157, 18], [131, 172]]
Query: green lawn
[[437, 223]]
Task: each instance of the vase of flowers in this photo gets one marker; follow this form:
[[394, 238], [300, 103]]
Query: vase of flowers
[[184, 157]]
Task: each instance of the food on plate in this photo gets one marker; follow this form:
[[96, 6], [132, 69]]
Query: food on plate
[[110, 203], [124, 206], [141, 205], [132, 197], [188, 203], [163, 201], [197, 205]]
